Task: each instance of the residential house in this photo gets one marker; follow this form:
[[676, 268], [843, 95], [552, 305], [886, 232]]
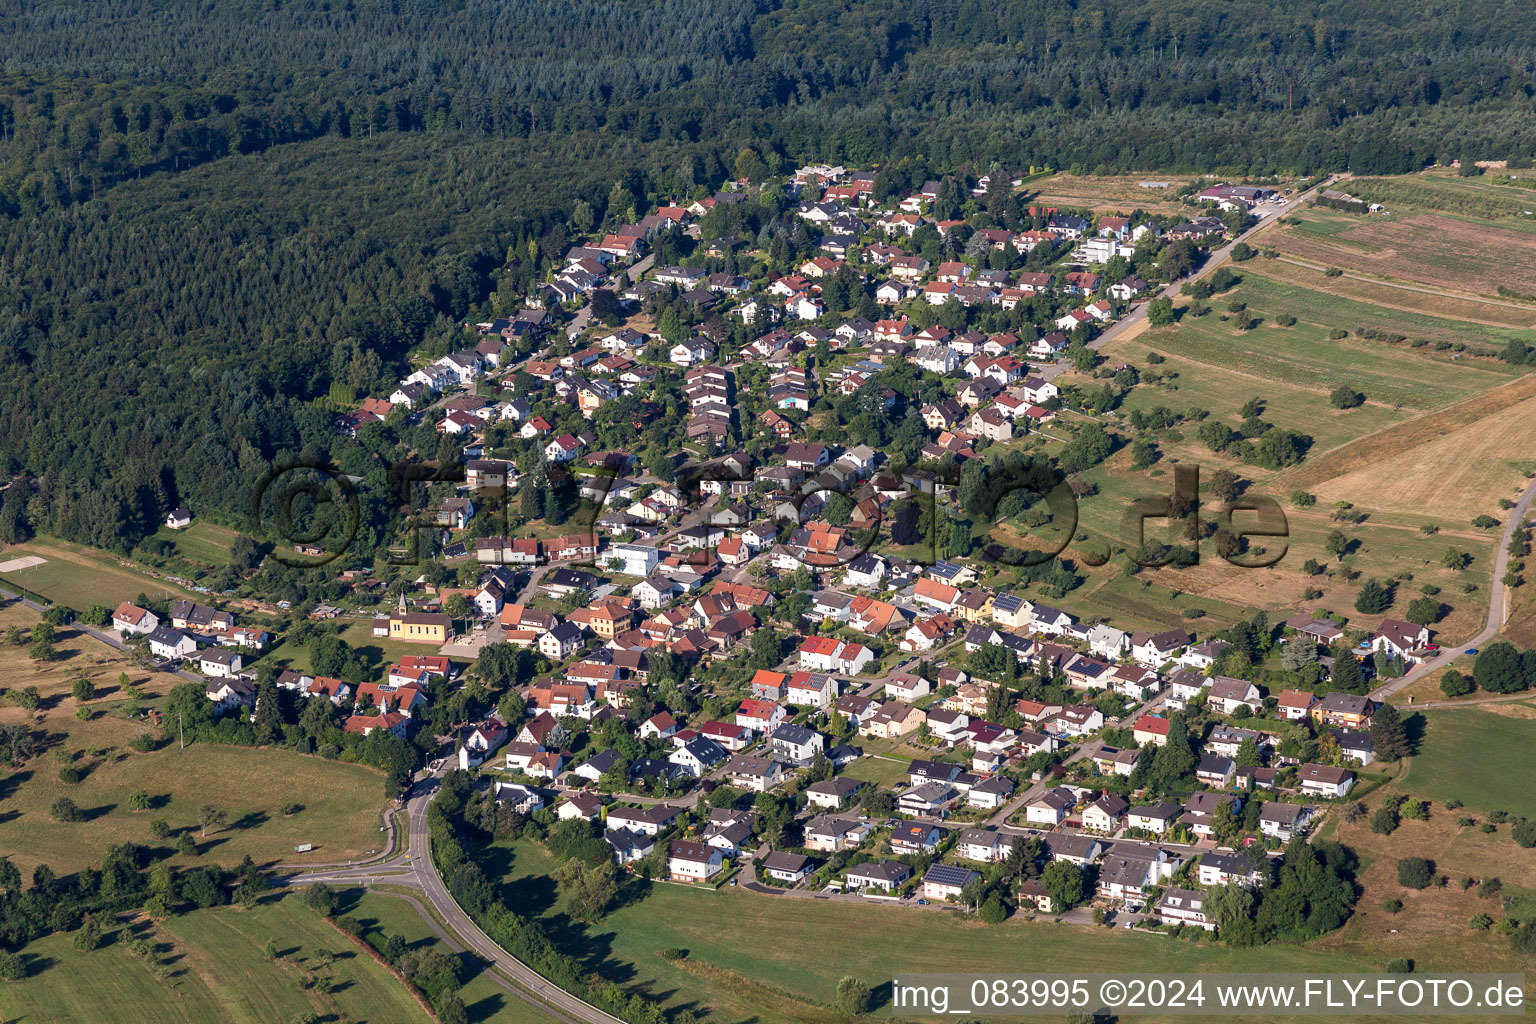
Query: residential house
[[1183, 907], [796, 745], [1284, 821], [946, 881], [1106, 813], [1324, 780], [1051, 807], [1155, 818], [692, 862], [754, 774], [832, 834], [1228, 694], [885, 875], [1347, 709], [833, 793]]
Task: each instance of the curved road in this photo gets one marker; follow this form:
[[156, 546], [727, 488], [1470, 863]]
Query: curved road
[[1498, 598], [413, 868]]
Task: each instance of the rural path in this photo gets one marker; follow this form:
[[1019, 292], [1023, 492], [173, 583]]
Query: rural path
[[1498, 600]]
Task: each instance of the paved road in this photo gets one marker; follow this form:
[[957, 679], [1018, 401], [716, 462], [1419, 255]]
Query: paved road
[[413, 868], [584, 315], [1498, 602], [1138, 312], [108, 637]]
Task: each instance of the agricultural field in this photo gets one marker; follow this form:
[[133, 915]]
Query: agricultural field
[[738, 976], [1397, 295], [1437, 442], [209, 967], [1470, 236], [341, 802], [1395, 374], [79, 577]]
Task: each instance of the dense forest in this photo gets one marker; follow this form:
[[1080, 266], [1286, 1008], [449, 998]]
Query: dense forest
[[212, 212]]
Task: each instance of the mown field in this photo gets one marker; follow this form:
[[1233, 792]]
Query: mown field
[[1304, 357], [203, 542], [1410, 298], [1116, 193], [780, 958], [341, 802], [209, 967], [80, 577], [1479, 755]]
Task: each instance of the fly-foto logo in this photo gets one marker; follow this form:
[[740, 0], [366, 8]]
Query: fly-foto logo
[[316, 511]]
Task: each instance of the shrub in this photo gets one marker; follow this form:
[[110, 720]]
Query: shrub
[[12, 967], [1345, 397], [1392, 906], [1400, 965], [70, 776], [1454, 684], [1384, 820], [1525, 832], [65, 809], [853, 995], [1415, 872], [1480, 922]]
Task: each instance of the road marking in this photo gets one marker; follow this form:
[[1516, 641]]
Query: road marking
[[23, 562]]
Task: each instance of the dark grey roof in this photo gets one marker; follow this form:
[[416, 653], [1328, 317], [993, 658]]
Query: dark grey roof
[[949, 874]]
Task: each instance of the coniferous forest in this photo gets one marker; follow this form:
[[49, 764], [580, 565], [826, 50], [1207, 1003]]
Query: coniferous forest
[[212, 212]]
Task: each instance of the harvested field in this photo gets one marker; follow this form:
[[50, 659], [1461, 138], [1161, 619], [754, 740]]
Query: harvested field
[[1404, 437], [1431, 249], [1455, 477]]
